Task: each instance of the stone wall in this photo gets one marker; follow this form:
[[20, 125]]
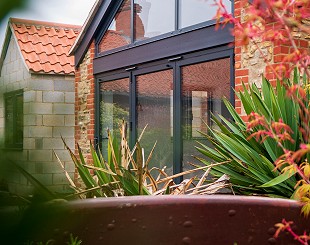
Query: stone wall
[[85, 102], [249, 64], [48, 115]]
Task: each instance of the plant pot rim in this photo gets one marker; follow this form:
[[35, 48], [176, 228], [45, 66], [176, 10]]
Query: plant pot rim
[[185, 199], [167, 219]]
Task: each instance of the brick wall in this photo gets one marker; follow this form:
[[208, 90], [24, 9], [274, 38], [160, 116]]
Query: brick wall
[[85, 102], [48, 114], [250, 66]]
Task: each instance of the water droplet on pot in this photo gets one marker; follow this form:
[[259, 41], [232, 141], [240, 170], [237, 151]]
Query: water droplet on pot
[[170, 218], [232, 212], [101, 238], [133, 220], [188, 224], [143, 227], [128, 205], [186, 240], [110, 227], [272, 240]]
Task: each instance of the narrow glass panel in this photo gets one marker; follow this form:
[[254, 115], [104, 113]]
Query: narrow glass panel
[[114, 107], [197, 11], [155, 109], [119, 32], [153, 18], [203, 86]]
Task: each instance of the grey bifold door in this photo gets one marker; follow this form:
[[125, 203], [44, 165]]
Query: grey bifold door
[[175, 99]]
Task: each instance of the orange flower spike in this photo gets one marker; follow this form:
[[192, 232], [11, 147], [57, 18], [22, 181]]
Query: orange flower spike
[[280, 127], [282, 227]]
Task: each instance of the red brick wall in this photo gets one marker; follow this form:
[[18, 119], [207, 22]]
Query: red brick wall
[[85, 102], [250, 66]]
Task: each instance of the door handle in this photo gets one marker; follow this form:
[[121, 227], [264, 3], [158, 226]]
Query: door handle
[[175, 58]]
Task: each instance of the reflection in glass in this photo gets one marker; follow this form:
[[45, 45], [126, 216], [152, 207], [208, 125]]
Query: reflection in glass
[[119, 31], [197, 11], [153, 18], [114, 107], [203, 86], [155, 108]]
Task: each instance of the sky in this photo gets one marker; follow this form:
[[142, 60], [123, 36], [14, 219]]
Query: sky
[[61, 11]]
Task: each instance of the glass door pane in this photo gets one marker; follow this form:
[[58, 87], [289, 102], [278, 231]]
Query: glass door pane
[[153, 18], [193, 12], [203, 86], [154, 108], [114, 107]]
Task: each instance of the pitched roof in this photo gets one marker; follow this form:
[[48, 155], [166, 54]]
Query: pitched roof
[[96, 22], [44, 45], [86, 25]]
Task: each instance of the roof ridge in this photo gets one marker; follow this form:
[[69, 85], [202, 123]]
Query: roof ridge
[[44, 23]]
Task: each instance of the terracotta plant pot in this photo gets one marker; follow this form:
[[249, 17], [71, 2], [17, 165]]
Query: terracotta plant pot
[[218, 219]]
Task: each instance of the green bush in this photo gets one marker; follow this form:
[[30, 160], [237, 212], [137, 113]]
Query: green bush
[[251, 165]]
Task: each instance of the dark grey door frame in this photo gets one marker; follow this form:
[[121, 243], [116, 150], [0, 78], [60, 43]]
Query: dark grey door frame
[[175, 63]]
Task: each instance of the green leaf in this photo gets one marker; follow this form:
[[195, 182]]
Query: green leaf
[[279, 179]]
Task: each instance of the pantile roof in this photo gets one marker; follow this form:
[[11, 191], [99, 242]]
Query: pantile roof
[[44, 45]]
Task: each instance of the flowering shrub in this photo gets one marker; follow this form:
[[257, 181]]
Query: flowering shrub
[[272, 20], [278, 21]]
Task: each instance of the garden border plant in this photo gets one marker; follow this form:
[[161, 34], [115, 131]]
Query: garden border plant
[[290, 17]]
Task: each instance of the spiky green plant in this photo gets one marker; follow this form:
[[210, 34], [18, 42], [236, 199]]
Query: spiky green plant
[[74, 240], [125, 172], [112, 176], [122, 174], [251, 163]]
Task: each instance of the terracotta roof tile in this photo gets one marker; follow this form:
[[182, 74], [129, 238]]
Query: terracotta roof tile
[[45, 45]]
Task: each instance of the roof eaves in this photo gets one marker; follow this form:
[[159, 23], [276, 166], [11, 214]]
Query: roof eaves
[[17, 44], [5, 46], [95, 24], [85, 26]]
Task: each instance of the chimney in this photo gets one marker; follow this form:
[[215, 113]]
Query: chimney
[[123, 21]]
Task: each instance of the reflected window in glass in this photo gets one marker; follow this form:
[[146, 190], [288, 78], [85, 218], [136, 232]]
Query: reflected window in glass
[[155, 109], [153, 18], [119, 31], [114, 108]]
